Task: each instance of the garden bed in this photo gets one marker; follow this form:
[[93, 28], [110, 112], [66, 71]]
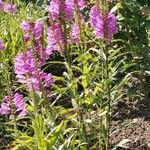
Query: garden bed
[[131, 124]]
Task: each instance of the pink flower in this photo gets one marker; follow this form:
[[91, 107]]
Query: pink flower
[[54, 9], [4, 108], [24, 66], [101, 24], [29, 73], [69, 9], [1, 5], [70, 6], [9, 8], [75, 33], [38, 29], [97, 22], [13, 103], [39, 81], [27, 37], [1, 45], [28, 63], [55, 38], [26, 26], [81, 4], [112, 25]]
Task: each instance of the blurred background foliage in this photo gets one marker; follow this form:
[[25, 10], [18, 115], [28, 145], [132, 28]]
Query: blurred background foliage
[[134, 24]]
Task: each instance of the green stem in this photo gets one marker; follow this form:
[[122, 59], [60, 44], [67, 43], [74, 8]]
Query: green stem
[[84, 130], [109, 102]]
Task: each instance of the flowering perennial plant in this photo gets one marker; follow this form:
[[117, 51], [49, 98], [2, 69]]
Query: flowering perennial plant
[[105, 26], [81, 84], [71, 5], [28, 64], [40, 81], [75, 33], [54, 9], [58, 7], [55, 38], [13, 105], [7, 7]]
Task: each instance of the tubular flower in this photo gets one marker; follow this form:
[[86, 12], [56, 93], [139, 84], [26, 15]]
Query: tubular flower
[[112, 25], [54, 9], [9, 8], [1, 5], [69, 9], [70, 6], [35, 31], [29, 74], [97, 22], [28, 64], [38, 29], [26, 26], [101, 24], [38, 36], [24, 66], [75, 33], [1, 45], [13, 105], [55, 38], [81, 4], [26, 37], [39, 81]]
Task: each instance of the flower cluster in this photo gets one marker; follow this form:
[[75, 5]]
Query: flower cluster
[[75, 33], [55, 38], [105, 26], [70, 6], [34, 31], [13, 105], [7, 7], [39, 81], [54, 9], [57, 9], [1, 45], [28, 63]]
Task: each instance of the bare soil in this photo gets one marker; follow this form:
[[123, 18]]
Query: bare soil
[[130, 127]]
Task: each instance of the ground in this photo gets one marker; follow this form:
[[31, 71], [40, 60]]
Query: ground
[[131, 122], [130, 125]]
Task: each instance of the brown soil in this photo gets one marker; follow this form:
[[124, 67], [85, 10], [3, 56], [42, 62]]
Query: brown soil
[[131, 125], [4, 142]]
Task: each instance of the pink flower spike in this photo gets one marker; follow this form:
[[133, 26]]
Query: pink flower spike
[[26, 26], [54, 9], [102, 23], [69, 9], [75, 33], [16, 102], [81, 4], [112, 25], [38, 29], [1, 45], [55, 38], [9, 8], [97, 22]]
